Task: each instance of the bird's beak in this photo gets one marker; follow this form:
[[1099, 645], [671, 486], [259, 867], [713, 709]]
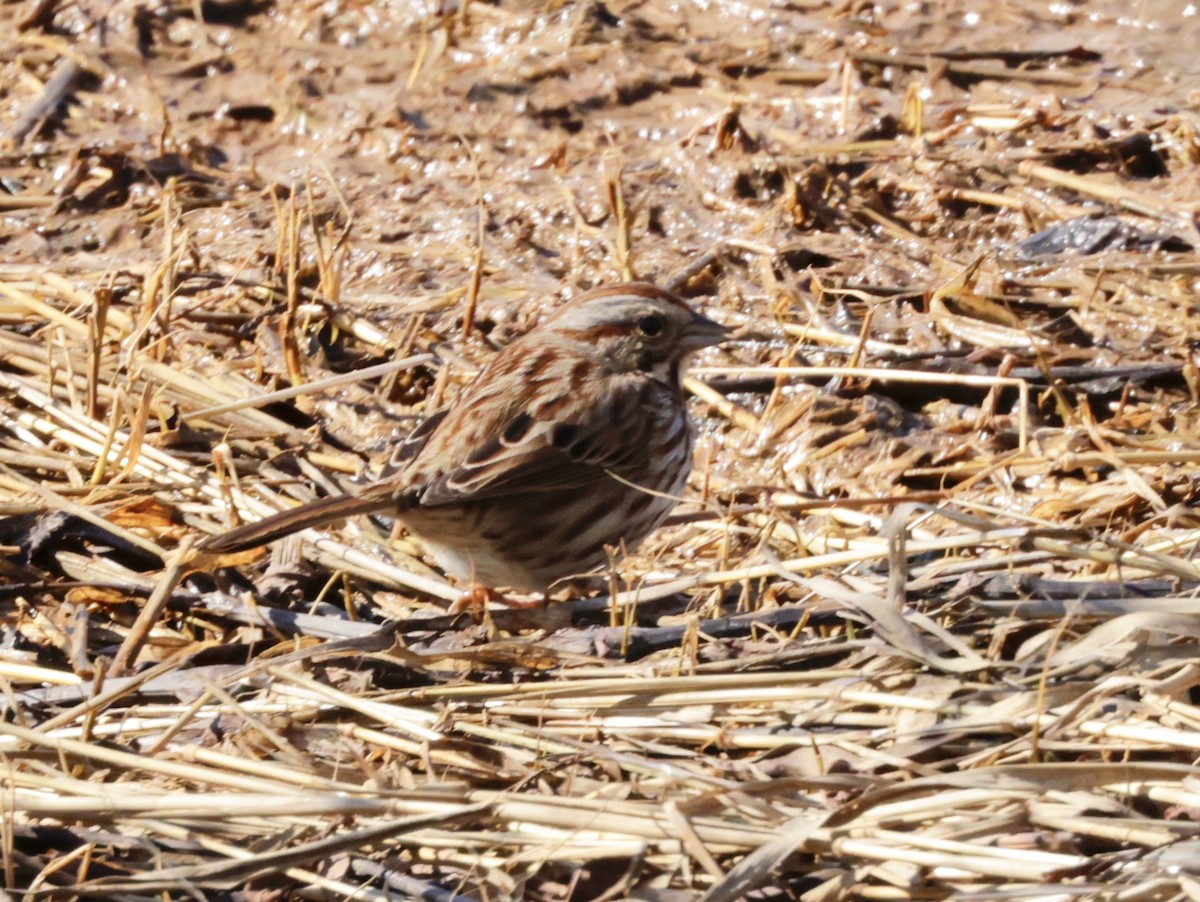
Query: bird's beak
[[703, 332]]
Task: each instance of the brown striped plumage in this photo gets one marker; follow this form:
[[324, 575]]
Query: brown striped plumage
[[573, 438]]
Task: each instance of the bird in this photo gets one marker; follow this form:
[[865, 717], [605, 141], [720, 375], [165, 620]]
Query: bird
[[573, 439]]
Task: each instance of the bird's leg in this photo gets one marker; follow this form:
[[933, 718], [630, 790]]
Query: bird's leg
[[478, 597]]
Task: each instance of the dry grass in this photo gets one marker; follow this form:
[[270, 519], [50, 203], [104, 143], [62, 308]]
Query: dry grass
[[926, 628]]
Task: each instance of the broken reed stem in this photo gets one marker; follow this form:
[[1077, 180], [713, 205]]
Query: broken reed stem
[[177, 563], [884, 375], [319, 385]]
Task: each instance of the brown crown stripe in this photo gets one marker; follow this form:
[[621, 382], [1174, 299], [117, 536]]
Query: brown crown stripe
[[591, 333], [631, 290]]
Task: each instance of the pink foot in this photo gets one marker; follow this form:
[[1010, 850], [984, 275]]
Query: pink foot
[[478, 598]]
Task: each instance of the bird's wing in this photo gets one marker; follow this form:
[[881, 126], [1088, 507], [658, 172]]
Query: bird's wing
[[489, 451], [412, 446]]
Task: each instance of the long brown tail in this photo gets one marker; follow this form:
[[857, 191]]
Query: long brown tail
[[284, 523]]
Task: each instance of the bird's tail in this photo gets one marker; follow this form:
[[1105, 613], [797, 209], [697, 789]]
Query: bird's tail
[[306, 516]]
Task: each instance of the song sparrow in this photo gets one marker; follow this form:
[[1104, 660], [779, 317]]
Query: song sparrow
[[572, 438]]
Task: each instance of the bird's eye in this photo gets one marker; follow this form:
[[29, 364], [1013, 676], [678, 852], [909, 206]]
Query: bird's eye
[[651, 326]]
